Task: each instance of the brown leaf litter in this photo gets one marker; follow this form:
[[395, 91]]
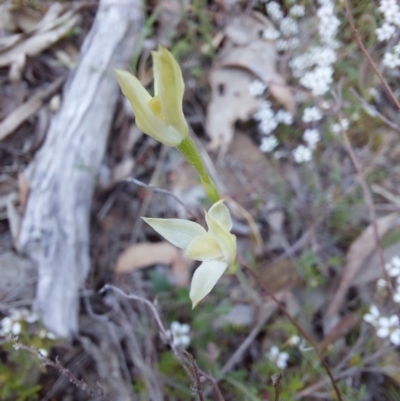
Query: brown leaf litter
[[245, 56]]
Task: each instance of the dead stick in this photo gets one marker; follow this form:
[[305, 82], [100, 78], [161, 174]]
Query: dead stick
[[367, 55], [295, 324]]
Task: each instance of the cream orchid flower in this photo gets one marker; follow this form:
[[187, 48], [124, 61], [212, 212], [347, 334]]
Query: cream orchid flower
[[160, 116], [216, 248]]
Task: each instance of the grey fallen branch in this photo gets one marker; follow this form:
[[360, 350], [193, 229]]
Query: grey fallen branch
[[55, 229]]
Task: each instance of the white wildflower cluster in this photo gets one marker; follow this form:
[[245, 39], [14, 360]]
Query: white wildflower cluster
[[271, 33], [289, 26], [11, 324], [393, 270], [274, 11], [311, 137], [311, 114], [268, 144], [294, 341], [302, 154], [268, 120], [328, 23], [314, 68], [278, 357], [338, 127], [286, 36], [297, 11], [391, 13], [256, 88], [319, 80], [284, 117], [386, 327], [266, 117], [179, 334], [392, 59]]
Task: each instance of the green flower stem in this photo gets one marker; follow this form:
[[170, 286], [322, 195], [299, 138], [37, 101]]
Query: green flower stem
[[190, 152]]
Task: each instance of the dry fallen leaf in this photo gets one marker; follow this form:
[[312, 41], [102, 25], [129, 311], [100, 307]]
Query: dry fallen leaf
[[341, 329], [245, 57], [30, 107], [145, 254], [231, 101], [17, 278], [47, 33], [170, 15], [359, 250]]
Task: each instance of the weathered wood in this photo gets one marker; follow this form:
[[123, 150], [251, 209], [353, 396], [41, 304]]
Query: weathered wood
[[55, 228]]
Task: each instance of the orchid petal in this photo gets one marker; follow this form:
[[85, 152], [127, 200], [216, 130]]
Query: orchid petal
[[169, 86], [225, 239], [179, 232], [146, 120], [221, 213], [204, 279], [204, 248]]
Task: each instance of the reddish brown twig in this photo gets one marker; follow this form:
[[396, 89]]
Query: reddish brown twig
[[358, 39], [368, 199], [295, 324], [93, 392]]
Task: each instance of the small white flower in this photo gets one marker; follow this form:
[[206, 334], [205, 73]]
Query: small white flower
[[179, 334], [337, 128], [297, 11], [265, 111], [395, 336], [391, 60], [393, 267], [312, 137], [302, 154], [31, 318], [289, 26], [311, 114], [43, 352], [42, 333], [318, 80], [396, 295], [268, 144], [280, 358], [293, 43], [267, 126], [281, 45], [274, 10], [271, 34], [16, 328], [389, 327], [385, 32], [284, 117], [373, 316], [294, 340], [381, 283], [6, 325], [256, 88], [51, 336]]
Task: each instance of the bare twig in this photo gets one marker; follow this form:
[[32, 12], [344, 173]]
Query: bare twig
[[179, 354], [367, 196], [161, 191], [371, 110], [295, 324], [357, 37], [196, 374], [276, 381], [64, 371]]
